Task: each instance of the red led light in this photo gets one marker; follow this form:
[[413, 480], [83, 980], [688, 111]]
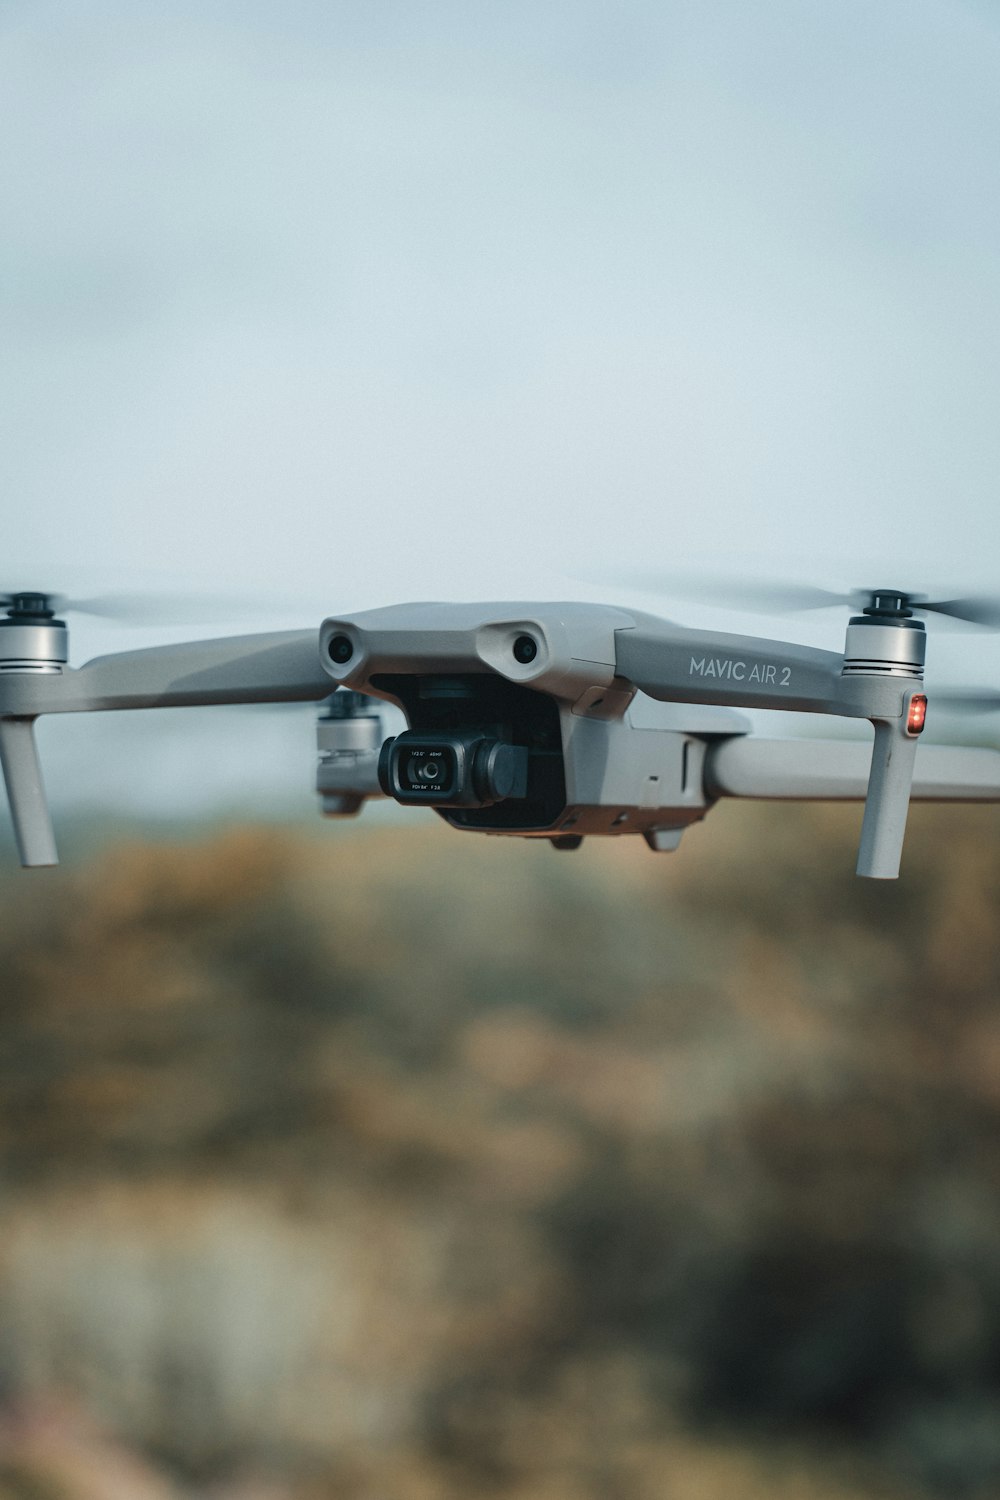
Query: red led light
[[917, 714]]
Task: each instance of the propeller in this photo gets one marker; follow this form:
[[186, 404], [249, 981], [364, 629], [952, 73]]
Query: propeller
[[780, 596], [966, 700], [34, 607]]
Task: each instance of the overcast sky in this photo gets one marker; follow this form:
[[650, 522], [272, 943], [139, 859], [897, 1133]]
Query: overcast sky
[[352, 303]]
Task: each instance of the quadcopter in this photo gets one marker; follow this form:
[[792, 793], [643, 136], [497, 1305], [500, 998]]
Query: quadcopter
[[547, 721]]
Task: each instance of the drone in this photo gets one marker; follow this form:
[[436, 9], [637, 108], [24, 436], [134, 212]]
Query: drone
[[554, 721]]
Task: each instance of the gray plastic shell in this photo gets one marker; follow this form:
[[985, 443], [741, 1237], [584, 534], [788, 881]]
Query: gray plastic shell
[[837, 771], [576, 645]]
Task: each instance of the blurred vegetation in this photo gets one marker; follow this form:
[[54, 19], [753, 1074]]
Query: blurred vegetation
[[402, 1165]]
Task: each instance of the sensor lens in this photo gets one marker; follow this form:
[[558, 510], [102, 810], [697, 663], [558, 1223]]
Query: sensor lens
[[427, 770], [340, 649], [525, 649]]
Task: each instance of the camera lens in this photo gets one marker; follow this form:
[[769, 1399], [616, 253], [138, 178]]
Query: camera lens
[[525, 649], [445, 769], [340, 649], [428, 769]]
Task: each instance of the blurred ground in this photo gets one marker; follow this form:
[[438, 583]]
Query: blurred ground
[[403, 1165]]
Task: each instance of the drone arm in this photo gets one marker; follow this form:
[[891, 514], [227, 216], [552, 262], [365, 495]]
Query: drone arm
[[702, 666], [888, 801], [742, 671], [276, 668], [22, 775], [279, 667], [837, 771]]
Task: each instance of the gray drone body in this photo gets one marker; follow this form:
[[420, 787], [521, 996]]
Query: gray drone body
[[596, 764], [552, 721]]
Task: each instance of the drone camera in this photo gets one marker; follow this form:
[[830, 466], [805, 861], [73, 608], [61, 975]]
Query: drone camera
[[340, 649], [453, 770]]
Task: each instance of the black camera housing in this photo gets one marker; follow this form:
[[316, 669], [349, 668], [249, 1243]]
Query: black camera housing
[[452, 770], [444, 708]]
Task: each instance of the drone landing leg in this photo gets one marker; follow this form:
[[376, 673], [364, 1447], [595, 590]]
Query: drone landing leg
[[28, 809], [888, 800]]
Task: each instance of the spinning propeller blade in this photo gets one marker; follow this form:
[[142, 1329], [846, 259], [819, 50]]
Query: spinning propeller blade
[[155, 608], [967, 700], [780, 596]]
